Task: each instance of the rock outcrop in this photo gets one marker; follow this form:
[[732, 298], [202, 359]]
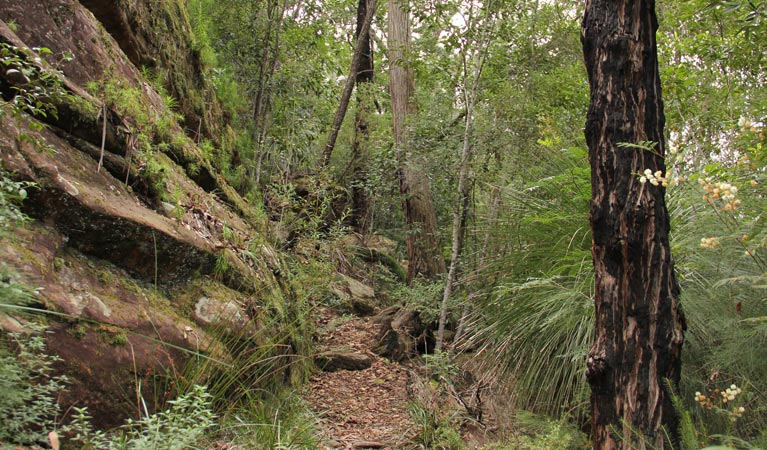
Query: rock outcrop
[[139, 264]]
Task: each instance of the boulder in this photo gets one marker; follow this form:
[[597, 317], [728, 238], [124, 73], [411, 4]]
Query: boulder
[[358, 290], [334, 361], [361, 297], [402, 334]]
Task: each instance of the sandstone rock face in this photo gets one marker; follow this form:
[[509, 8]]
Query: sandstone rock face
[[157, 35], [135, 282], [97, 214], [112, 330]]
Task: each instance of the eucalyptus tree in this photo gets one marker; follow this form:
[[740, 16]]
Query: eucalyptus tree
[[361, 202], [422, 235], [639, 330], [477, 33], [362, 52]]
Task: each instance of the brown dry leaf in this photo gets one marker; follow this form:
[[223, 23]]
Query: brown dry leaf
[[53, 438], [360, 406]]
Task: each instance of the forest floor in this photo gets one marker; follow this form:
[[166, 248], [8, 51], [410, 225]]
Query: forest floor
[[362, 408]]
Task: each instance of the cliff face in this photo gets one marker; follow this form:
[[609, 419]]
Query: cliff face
[[138, 259]]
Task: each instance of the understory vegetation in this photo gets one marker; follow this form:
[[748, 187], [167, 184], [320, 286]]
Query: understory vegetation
[[501, 95]]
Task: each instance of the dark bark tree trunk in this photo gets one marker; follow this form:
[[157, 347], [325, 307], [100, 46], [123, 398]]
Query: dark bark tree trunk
[[363, 38], [361, 208], [639, 323], [423, 248]]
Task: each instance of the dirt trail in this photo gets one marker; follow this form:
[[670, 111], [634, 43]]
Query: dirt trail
[[365, 408]]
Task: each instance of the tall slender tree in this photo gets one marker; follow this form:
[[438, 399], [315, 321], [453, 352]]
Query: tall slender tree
[[639, 324], [275, 13], [423, 248], [361, 207], [361, 46], [480, 23]]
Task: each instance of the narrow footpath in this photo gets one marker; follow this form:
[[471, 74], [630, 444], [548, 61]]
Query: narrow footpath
[[359, 408]]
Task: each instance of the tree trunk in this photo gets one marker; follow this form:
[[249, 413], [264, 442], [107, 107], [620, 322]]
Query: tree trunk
[[267, 66], [363, 38], [460, 215], [361, 207], [639, 323], [423, 249], [473, 62]]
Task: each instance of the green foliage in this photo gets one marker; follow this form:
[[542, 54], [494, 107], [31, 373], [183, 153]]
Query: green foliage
[[28, 407], [441, 366], [536, 321], [713, 424], [719, 240], [308, 206], [156, 172], [13, 293], [241, 365], [423, 296], [282, 421], [305, 277], [35, 89], [186, 421], [127, 100], [541, 433], [281, 88], [542, 330], [12, 193], [434, 429]]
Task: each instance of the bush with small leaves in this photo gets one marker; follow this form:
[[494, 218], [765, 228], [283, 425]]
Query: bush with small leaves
[[28, 407]]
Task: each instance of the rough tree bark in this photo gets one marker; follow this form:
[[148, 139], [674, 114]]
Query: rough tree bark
[[363, 38], [361, 208], [639, 323], [423, 249]]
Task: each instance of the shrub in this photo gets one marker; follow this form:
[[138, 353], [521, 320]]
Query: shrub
[[28, 407]]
